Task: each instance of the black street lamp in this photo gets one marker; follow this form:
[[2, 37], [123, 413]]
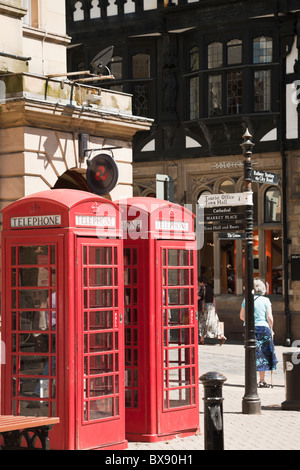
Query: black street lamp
[[251, 401]]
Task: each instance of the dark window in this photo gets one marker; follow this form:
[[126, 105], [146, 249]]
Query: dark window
[[262, 50], [229, 84], [234, 52], [194, 83], [262, 90], [234, 92]]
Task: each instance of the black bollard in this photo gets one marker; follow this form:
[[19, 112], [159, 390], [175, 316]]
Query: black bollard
[[213, 410]]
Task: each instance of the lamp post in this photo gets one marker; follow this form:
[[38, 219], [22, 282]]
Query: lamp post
[[251, 401]]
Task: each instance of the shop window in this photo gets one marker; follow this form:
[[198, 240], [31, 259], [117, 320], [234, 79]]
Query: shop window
[[228, 257], [276, 262], [270, 266], [272, 205], [206, 263]]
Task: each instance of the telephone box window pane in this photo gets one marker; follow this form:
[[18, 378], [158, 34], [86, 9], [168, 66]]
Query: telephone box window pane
[[101, 320], [128, 394], [33, 343], [101, 342], [180, 336], [27, 387], [33, 365], [31, 277], [101, 364], [100, 409], [100, 277], [100, 298], [178, 316], [100, 255], [33, 255], [177, 277], [13, 256], [31, 408], [178, 257], [180, 397], [14, 277], [14, 321], [33, 298], [13, 298], [179, 377], [101, 386]]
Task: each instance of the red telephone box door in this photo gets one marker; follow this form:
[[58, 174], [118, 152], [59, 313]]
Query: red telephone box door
[[29, 329], [178, 397], [100, 380]]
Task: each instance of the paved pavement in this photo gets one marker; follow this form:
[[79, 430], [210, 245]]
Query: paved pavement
[[272, 429]]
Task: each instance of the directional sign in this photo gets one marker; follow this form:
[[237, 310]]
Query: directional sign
[[231, 236], [229, 217], [225, 210], [264, 177], [222, 226], [227, 199]]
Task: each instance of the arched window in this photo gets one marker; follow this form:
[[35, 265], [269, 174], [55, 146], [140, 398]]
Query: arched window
[[227, 186], [272, 204]]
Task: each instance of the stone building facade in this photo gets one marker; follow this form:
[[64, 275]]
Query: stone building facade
[[205, 72]]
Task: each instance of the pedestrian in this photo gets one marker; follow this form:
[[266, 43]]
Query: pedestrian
[[263, 322], [208, 317]]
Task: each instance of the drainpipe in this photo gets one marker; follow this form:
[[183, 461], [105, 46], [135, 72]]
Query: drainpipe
[[282, 137]]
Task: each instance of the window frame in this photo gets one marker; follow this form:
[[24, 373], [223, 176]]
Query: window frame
[[247, 68]]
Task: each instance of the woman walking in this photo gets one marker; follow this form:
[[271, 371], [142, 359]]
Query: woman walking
[[263, 317]]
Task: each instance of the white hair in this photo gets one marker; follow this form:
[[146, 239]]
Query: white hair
[[259, 287]]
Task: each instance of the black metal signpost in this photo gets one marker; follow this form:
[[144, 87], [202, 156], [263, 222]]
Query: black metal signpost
[[251, 401]]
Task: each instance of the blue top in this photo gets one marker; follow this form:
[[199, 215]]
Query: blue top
[[261, 304]]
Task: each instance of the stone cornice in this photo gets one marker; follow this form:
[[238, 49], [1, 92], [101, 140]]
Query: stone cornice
[[42, 35], [11, 10], [56, 116]]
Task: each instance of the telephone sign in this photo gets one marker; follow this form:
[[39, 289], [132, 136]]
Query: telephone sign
[[102, 174]]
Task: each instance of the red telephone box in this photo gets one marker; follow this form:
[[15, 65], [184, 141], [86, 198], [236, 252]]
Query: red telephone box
[[62, 307], [161, 327]]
